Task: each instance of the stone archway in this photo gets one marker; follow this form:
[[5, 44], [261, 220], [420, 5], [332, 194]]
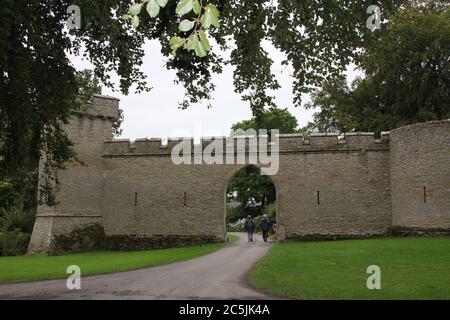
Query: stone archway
[[270, 179]]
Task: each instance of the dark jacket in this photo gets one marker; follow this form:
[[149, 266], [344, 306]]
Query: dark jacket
[[249, 225], [265, 224]]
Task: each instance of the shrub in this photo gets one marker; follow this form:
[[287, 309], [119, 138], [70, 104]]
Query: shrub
[[237, 226], [14, 243], [15, 218], [233, 214], [271, 211], [15, 230]]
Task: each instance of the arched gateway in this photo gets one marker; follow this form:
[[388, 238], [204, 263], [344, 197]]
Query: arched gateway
[[327, 186]]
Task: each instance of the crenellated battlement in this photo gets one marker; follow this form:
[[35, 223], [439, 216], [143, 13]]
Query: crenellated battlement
[[287, 143], [100, 106]]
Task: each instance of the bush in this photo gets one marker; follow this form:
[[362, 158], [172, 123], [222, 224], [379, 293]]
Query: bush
[[271, 212], [233, 214], [15, 218], [87, 238], [237, 226], [15, 230], [14, 243]]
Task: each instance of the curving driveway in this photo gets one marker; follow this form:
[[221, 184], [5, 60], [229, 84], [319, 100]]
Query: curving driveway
[[219, 275]]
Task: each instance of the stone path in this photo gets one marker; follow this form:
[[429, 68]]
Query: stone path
[[219, 275]]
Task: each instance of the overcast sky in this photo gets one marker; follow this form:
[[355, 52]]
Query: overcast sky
[[156, 114]]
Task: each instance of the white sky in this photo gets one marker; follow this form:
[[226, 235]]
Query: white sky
[[156, 114]]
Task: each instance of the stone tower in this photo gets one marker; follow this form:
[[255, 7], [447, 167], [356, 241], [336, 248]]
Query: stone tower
[[80, 190]]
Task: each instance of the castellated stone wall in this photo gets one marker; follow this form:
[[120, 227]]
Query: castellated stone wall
[[328, 186], [420, 177]]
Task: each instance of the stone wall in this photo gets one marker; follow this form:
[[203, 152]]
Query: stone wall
[[420, 178], [328, 186], [145, 192]]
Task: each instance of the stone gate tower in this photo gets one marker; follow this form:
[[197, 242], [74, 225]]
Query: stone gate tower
[[81, 186]]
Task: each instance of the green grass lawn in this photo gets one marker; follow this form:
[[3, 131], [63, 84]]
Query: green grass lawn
[[26, 268], [411, 268]]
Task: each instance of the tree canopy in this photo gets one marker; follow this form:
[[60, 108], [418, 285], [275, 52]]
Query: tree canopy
[[406, 76], [274, 118], [250, 192], [38, 87], [319, 38]]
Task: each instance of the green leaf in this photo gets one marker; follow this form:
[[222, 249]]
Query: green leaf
[[196, 7], [176, 42], [126, 17], [162, 3], [135, 21], [191, 42], [135, 9], [184, 6], [206, 20], [215, 22], [211, 16], [186, 25], [153, 8], [204, 39], [214, 10], [199, 50]]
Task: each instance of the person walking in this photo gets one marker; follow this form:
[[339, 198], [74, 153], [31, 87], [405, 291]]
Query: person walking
[[265, 227], [249, 227]]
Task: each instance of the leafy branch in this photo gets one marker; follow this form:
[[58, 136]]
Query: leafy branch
[[206, 16]]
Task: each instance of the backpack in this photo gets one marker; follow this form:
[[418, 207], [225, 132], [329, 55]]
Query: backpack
[[265, 224]]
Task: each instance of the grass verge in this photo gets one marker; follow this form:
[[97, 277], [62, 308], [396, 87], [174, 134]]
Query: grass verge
[[411, 268], [28, 268], [232, 237]]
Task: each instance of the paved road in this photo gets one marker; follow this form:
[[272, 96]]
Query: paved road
[[219, 275]]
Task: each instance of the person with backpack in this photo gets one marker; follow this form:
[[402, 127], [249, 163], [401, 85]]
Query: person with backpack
[[265, 227], [249, 227]]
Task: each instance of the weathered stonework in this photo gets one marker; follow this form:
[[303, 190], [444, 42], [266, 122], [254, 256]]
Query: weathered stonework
[[420, 178], [328, 187], [155, 242]]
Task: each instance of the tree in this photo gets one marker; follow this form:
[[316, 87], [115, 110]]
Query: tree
[[88, 84], [38, 88], [18, 188], [275, 118], [334, 99], [406, 81], [252, 192]]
